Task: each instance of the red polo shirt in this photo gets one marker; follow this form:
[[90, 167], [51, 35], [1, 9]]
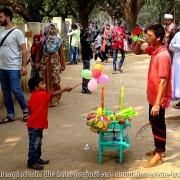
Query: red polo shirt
[[160, 66], [38, 109]]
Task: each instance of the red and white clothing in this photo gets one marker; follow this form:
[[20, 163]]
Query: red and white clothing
[[118, 34]]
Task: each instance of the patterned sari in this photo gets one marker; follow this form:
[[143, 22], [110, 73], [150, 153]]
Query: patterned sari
[[51, 58]]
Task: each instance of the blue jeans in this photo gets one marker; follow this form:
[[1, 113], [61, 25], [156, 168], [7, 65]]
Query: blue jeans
[[115, 53], [35, 143], [86, 65], [10, 82], [73, 54]]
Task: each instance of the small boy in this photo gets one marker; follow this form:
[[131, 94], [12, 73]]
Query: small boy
[[38, 111], [98, 44]]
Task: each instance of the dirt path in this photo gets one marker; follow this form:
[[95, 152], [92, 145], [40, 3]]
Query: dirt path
[[68, 133]]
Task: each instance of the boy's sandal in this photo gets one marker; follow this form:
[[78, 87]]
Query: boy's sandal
[[152, 153], [25, 117], [36, 166], [152, 163], [177, 106], [7, 120], [41, 161]]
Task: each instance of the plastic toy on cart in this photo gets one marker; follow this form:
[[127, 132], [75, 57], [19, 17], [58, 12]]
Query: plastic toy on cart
[[112, 127]]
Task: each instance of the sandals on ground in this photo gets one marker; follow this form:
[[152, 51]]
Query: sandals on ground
[[41, 161], [7, 120], [35, 166], [152, 153], [177, 106], [152, 163]]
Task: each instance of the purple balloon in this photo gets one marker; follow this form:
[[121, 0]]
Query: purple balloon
[[92, 84], [103, 79]]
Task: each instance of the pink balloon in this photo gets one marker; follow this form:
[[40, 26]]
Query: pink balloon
[[96, 73], [103, 79], [92, 84]]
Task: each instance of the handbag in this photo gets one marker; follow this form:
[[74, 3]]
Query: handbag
[[6, 36]]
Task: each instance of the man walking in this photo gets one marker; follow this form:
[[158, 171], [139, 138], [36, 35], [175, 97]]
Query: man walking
[[118, 34], [13, 59]]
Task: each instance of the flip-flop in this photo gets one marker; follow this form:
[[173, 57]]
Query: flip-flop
[[152, 163], [177, 106], [6, 120], [119, 69]]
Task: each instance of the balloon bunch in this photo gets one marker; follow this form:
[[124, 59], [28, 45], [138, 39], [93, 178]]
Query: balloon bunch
[[95, 77]]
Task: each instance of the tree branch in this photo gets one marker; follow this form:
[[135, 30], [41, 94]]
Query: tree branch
[[52, 7]]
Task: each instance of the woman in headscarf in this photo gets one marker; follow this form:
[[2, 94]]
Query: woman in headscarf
[[34, 51], [106, 45], [50, 60]]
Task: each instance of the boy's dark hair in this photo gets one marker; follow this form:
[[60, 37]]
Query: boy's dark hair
[[158, 31], [7, 12], [74, 26], [33, 82]]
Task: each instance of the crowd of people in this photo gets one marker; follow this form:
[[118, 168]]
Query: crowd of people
[[47, 61], [106, 39]]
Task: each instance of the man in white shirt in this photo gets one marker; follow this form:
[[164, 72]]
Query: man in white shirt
[[13, 59]]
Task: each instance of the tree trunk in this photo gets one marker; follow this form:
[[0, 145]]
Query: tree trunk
[[83, 20], [131, 9], [85, 8]]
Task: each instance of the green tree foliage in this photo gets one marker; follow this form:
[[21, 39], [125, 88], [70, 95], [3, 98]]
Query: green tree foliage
[[30, 10], [112, 7], [35, 11], [154, 11], [126, 9], [80, 10]]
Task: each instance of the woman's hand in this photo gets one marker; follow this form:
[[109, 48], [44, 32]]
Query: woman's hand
[[62, 68], [23, 70], [31, 62], [37, 65]]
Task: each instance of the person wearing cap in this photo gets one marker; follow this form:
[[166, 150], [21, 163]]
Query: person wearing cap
[[175, 47], [170, 31]]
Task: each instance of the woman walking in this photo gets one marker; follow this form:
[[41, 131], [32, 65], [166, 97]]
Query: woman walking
[[50, 60]]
